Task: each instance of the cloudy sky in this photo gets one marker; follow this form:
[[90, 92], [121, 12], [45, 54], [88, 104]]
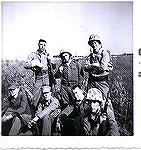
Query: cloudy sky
[[65, 25]]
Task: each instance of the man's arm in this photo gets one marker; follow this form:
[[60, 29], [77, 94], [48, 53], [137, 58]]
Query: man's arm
[[54, 105], [59, 72], [23, 105], [105, 61], [93, 68], [28, 63], [80, 75]]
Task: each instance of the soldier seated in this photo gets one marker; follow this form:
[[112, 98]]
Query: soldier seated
[[17, 113], [71, 118], [48, 109], [100, 117]]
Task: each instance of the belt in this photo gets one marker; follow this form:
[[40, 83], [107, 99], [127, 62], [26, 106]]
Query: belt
[[68, 83], [97, 79]]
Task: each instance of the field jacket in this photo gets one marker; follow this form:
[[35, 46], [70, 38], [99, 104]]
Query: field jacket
[[52, 108], [98, 65], [17, 106], [72, 74]]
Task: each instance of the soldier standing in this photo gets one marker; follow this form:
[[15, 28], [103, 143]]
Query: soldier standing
[[98, 66], [40, 64], [71, 73]]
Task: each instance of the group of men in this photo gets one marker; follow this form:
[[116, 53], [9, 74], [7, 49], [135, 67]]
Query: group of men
[[80, 107]]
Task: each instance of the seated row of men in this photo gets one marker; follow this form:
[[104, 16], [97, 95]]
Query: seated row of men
[[87, 114]]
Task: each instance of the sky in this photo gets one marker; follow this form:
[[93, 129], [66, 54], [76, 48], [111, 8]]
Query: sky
[[65, 26]]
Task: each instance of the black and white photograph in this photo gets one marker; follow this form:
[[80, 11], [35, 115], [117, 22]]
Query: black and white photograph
[[67, 69]]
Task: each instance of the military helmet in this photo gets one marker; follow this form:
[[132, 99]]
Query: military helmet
[[94, 37], [64, 51], [46, 89], [95, 94]]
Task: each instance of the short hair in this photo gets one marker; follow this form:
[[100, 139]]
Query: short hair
[[42, 40], [13, 86]]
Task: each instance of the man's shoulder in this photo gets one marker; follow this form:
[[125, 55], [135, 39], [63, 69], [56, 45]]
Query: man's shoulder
[[75, 62], [105, 52], [33, 53], [53, 98], [22, 94]]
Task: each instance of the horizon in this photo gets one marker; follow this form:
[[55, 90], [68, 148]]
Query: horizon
[[57, 56], [65, 25]]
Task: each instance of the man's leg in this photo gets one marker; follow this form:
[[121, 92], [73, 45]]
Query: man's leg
[[6, 126], [67, 128], [37, 91], [46, 125], [15, 127], [112, 121]]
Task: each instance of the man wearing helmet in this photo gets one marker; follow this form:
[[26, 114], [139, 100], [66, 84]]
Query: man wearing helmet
[[71, 73], [100, 116], [98, 66]]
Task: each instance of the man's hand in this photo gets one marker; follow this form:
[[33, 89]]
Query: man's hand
[[6, 118], [61, 69], [103, 117], [36, 62], [33, 122]]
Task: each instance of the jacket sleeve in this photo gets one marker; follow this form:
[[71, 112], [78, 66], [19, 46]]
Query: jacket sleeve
[[103, 64], [58, 74], [105, 61], [95, 69], [23, 105], [28, 64], [5, 105], [53, 106], [80, 75]]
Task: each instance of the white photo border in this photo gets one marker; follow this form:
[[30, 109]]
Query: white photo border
[[131, 142]]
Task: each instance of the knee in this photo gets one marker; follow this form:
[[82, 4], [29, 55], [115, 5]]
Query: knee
[[47, 118], [16, 119]]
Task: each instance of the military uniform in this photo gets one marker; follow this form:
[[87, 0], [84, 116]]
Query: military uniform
[[71, 75], [19, 109], [98, 66], [98, 75], [47, 112], [43, 75]]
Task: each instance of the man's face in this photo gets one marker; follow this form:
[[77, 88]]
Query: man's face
[[42, 46], [95, 107], [65, 57], [78, 94], [95, 45], [47, 96]]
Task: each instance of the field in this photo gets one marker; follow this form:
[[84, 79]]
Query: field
[[121, 86]]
